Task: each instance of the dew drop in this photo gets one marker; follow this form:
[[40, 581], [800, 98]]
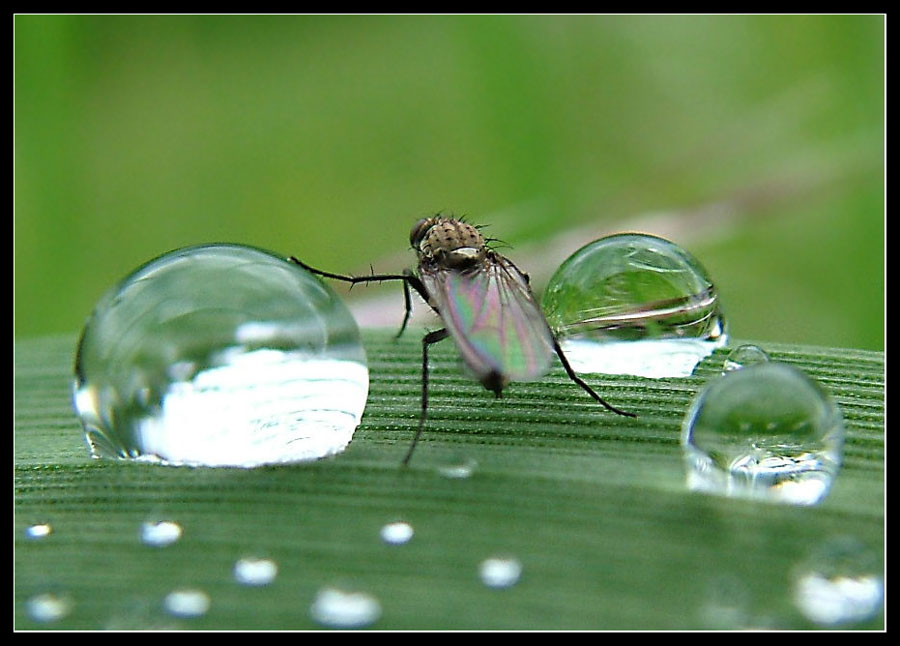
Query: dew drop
[[39, 531], [48, 607], [187, 603], [500, 571], [766, 432], [459, 469], [338, 608], [397, 533], [160, 533], [841, 583], [743, 356], [220, 355], [634, 304], [255, 571]]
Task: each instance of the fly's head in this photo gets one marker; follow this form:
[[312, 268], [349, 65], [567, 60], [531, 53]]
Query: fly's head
[[448, 243]]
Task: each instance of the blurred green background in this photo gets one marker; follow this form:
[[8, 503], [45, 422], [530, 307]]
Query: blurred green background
[[757, 142]]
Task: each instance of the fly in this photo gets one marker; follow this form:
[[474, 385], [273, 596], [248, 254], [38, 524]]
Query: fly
[[486, 305]]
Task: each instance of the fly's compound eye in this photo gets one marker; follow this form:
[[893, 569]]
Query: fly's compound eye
[[419, 230]]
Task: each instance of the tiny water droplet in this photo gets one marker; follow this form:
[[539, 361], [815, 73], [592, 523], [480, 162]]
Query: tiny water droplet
[[743, 356], [397, 533], [500, 571], [841, 583], [39, 531], [48, 607], [160, 533], [634, 304], [766, 432], [187, 603], [460, 469], [220, 355], [255, 571], [338, 608]]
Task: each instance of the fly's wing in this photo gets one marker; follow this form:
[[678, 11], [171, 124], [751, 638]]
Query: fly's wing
[[494, 319]]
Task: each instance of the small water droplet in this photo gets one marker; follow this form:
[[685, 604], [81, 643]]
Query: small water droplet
[[767, 432], [160, 533], [255, 571], [397, 533], [48, 607], [461, 469], [338, 608], [841, 583], [39, 531], [743, 356], [187, 603], [220, 355], [500, 571], [634, 304]]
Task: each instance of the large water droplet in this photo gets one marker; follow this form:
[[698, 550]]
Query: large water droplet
[[766, 431], [634, 304], [500, 571], [338, 608], [841, 583], [220, 355]]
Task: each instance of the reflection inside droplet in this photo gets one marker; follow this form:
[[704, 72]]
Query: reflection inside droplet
[[634, 304], [220, 355], [766, 431], [338, 608], [160, 533], [255, 571], [187, 603], [500, 571], [460, 468]]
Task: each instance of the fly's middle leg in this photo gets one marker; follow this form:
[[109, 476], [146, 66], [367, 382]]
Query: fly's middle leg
[[429, 339]]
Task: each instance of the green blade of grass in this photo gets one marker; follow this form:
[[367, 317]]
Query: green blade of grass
[[593, 506]]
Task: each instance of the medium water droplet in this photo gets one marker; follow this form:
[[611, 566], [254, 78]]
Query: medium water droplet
[[767, 432], [41, 530], [48, 607], [220, 355], [500, 571], [338, 608], [841, 583], [187, 603], [743, 356], [255, 571], [397, 533], [634, 304], [160, 533]]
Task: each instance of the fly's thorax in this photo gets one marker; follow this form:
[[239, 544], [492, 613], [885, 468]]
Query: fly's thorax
[[448, 243]]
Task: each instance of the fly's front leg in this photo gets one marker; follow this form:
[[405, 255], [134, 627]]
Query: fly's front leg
[[409, 280], [429, 339], [578, 380]]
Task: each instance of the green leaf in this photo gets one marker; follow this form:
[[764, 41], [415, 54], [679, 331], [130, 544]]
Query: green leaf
[[592, 505]]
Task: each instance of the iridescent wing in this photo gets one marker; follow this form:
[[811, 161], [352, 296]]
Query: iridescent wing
[[492, 316]]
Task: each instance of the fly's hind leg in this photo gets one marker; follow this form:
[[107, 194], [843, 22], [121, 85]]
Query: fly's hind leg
[[581, 382], [429, 339]]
